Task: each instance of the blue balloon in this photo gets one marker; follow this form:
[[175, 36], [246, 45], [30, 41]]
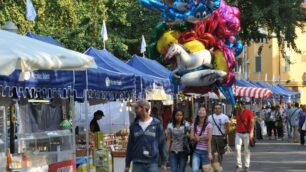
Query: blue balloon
[[238, 48], [212, 4], [182, 10], [227, 91], [181, 5], [153, 5], [194, 15]]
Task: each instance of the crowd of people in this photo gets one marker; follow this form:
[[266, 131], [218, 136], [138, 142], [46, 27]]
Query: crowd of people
[[204, 142], [281, 120]]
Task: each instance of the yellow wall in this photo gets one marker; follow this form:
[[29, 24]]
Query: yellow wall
[[273, 64]]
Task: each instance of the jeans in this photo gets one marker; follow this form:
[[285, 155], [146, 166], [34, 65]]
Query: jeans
[[151, 167], [289, 129], [178, 161], [295, 133], [245, 138], [199, 158]]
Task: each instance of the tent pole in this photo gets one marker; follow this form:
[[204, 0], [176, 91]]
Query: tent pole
[[87, 122], [87, 130], [72, 116]]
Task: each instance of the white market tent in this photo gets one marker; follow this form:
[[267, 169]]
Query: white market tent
[[27, 54]]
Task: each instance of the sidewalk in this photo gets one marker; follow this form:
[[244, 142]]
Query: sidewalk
[[270, 156]]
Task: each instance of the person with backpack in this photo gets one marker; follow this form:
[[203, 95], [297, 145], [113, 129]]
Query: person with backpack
[[201, 134], [146, 142], [244, 133], [177, 131]]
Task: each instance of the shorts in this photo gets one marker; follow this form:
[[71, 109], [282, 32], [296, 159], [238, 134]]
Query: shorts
[[218, 144]]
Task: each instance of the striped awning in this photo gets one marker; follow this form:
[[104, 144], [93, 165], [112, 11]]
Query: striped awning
[[252, 92]]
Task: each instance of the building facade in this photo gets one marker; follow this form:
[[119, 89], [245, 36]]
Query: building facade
[[264, 62]]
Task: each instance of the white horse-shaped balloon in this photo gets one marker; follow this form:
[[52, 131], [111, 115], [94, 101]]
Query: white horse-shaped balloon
[[193, 65]]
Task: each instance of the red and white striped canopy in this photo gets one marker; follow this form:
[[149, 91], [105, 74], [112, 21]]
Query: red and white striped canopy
[[251, 92]]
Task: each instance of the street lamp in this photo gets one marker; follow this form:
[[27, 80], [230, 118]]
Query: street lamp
[[10, 26]]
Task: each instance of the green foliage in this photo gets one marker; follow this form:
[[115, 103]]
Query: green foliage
[[279, 17], [77, 23]]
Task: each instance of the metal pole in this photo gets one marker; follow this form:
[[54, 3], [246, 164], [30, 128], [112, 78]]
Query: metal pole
[[279, 66], [72, 116], [87, 122]]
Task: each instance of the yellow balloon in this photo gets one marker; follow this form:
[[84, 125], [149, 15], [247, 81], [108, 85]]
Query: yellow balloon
[[220, 61], [194, 46], [166, 40]]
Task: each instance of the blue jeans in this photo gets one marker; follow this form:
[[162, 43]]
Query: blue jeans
[[151, 167], [289, 129], [178, 161], [199, 158]]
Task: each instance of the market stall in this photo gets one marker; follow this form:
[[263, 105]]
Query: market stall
[[144, 81], [96, 86], [20, 82]]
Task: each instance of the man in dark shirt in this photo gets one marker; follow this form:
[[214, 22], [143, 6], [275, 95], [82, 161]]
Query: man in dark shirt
[[94, 126]]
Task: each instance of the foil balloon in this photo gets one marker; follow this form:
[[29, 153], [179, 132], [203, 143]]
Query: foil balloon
[[220, 61], [167, 39], [238, 47], [154, 5], [194, 46]]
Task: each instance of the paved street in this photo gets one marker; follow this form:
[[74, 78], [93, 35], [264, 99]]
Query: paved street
[[276, 156], [271, 156]]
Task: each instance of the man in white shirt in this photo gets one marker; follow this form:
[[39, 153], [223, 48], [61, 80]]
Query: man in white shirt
[[220, 123]]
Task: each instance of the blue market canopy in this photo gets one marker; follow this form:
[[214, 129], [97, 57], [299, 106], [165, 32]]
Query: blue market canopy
[[277, 91], [100, 83], [297, 94], [144, 81], [244, 83], [47, 39], [149, 66], [152, 67]]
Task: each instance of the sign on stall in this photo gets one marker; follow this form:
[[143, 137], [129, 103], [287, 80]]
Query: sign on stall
[[65, 166]]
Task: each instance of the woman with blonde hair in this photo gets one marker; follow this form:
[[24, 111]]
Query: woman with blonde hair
[[201, 134]]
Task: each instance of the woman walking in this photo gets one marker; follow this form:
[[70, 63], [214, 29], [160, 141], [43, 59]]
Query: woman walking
[[176, 131], [279, 122], [201, 133]]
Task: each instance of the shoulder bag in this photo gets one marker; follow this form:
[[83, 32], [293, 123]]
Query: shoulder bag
[[251, 141], [225, 139]]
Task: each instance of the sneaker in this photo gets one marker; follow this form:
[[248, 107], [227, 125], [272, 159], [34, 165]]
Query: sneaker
[[238, 169]]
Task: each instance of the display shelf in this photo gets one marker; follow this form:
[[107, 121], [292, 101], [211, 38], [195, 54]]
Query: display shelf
[[46, 141], [44, 148]]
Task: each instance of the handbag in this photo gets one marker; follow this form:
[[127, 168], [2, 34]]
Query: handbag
[[304, 126], [186, 142]]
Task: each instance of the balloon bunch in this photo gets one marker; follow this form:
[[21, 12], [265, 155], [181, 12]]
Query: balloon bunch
[[183, 10], [201, 35]]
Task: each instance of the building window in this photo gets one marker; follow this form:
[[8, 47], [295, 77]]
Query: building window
[[258, 64]]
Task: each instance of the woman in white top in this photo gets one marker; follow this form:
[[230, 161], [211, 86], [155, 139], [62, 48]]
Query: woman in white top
[[176, 131]]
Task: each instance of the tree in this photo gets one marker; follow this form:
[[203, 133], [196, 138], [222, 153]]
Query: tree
[[279, 17], [77, 23]]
